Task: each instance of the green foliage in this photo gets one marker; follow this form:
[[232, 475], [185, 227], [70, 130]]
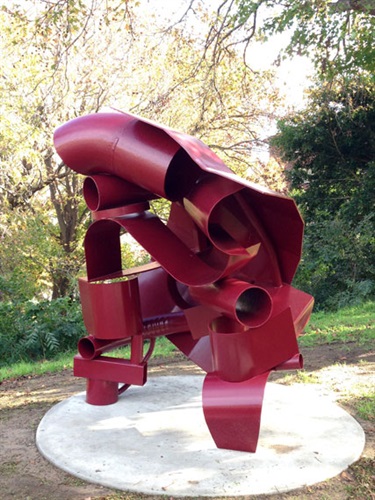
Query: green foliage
[[338, 266], [53, 74], [330, 150], [32, 260], [38, 330], [338, 36], [331, 147]]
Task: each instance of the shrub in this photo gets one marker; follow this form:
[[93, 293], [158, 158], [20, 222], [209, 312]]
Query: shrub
[[338, 266], [38, 330]]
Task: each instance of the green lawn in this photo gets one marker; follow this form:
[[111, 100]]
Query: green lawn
[[354, 324]]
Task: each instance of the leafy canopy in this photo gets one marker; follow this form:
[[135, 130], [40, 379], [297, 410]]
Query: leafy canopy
[[63, 59], [338, 36], [330, 147]]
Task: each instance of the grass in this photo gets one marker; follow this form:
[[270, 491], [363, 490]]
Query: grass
[[29, 368], [353, 324], [8, 468], [299, 377], [365, 406], [163, 349]]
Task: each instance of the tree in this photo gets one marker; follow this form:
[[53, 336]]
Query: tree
[[64, 59], [338, 36], [331, 147], [330, 150], [48, 77]]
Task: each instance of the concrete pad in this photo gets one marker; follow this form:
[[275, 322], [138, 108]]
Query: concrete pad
[[155, 441]]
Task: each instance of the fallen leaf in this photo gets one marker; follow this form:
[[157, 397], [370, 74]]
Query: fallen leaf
[[346, 476]]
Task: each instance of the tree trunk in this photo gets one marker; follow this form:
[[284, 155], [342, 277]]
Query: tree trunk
[[64, 194]]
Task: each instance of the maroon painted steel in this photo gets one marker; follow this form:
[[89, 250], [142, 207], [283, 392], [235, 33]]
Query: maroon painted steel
[[92, 346], [100, 392], [111, 309], [111, 369], [233, 411], [218, 284], [105, 191], [248, 304]]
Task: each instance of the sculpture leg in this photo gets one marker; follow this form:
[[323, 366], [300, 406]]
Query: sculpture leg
[[101, 392], [233, 411]]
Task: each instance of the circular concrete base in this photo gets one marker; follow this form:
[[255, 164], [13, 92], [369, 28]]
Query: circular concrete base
[[154, 440]]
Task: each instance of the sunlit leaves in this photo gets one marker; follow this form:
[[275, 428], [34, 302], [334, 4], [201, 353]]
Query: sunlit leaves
[[337, 35], [63, 59]]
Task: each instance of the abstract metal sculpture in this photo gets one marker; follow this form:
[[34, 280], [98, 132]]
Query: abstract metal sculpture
[[218, 283]]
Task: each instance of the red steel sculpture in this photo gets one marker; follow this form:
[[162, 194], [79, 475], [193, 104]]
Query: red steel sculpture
[[218, 283]]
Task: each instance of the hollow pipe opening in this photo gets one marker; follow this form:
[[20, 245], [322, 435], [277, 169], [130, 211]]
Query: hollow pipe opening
[[91, 194], [86, 348], [254, 307]]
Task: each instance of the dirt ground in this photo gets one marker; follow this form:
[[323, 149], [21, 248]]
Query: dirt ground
[[26, 475]]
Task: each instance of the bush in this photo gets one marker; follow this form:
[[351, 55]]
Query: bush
[[338, 266], [39, 330]]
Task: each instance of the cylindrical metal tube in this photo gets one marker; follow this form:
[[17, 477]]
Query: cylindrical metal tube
[[91, 347], [117, 144], [248, 304], [107, 191], [101, 392], [165, 325]]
